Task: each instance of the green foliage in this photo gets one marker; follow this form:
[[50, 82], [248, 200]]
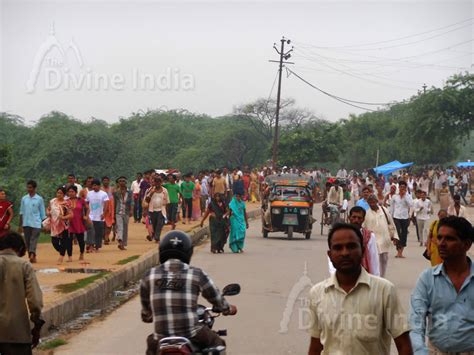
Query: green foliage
[[427, 128], [127, 260], [312, 142], [467, 149], [52, 344]]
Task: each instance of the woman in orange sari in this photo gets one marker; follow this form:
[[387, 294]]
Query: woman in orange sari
[[109, 218], [197, 213]]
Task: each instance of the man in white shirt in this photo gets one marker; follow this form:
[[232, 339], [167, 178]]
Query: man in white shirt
[[388, 185], [438, 184], [72, 181], [456, 209], [415, 195], [400, 210], [228, 184], [137, 203], [380, 222], [341, 173], [204, 191], [334, 201], [424, 184], [335, 195], [98, 206], [355, 189], [423, 209], [410, 183]]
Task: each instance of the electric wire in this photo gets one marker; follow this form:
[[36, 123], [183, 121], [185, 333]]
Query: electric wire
[[338, 98], [271, 90], [391, 40], [365, 79]]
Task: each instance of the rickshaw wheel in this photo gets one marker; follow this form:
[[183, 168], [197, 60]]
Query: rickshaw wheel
[[290, 232]]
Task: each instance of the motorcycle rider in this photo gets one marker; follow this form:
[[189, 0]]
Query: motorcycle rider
[[334, 201], [169, 294]]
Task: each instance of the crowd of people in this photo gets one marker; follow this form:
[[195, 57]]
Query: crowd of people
[[380, 211], [98, 212], [355, 312], [392, 203]]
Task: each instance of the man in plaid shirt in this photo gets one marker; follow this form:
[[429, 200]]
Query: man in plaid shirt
[[169, 295]]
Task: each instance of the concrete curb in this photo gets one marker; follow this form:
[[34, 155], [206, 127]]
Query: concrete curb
[[75, 303]]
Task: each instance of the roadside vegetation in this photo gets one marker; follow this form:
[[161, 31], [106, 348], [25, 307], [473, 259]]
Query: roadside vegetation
[[81, 283]]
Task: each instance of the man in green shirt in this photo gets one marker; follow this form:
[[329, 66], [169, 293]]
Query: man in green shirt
[[173, 196], [187, 187]]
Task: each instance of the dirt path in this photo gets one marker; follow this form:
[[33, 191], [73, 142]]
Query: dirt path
[[108, 258]]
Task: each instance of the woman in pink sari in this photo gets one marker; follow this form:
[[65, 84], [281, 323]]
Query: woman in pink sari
[[196, 201], [59, 212]]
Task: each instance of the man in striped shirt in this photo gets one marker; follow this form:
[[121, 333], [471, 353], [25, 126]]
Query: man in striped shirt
[[169, 295]]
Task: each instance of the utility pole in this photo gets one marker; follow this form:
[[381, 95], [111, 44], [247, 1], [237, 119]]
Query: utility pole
[[283, 56], [424, 88]]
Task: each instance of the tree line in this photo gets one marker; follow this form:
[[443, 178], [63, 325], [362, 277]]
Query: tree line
[[428, 128]]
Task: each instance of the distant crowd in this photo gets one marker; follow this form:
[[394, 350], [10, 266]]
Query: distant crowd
[[98, 212]]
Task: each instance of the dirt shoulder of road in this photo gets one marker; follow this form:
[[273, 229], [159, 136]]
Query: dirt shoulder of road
[[52, 276]]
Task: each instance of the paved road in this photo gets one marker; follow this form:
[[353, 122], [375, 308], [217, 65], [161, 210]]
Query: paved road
[[267, 271]]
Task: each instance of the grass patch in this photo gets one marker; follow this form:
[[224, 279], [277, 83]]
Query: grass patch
[[52, 344], [74, 286], [127, 260]]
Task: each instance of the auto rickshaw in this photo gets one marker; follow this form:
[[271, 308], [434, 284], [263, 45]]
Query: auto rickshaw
[[287, 205]]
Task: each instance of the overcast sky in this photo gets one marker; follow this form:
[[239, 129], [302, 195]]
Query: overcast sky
[[108, 59]]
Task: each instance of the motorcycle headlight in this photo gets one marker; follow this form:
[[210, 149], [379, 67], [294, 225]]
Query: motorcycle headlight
[[201, 310], [276, 210], [304, 211]]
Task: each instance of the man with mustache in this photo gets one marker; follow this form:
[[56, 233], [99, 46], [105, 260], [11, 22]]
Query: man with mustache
[[444, 295], [353, 312]]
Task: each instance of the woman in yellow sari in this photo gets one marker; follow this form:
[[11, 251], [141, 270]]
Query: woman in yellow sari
[[254, 187], [432, 245]]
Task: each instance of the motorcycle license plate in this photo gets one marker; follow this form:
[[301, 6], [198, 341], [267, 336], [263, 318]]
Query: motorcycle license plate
[[290, 219]]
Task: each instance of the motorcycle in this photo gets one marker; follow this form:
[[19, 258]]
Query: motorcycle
[[206, 315]]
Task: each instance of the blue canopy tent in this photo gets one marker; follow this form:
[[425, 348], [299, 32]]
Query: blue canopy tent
[[465, 164], [391, 167]]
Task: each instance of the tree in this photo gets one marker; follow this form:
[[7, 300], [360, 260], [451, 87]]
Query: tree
[[312, 142], [261, 115]]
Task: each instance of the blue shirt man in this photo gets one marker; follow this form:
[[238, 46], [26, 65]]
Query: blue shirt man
[[445, 295], [32, 213], [363, 201]]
